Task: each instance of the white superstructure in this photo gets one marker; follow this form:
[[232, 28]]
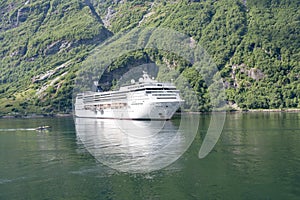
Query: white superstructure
[[146, 99]]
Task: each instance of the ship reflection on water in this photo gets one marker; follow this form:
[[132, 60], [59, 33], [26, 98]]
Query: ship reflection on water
[[135, 146]]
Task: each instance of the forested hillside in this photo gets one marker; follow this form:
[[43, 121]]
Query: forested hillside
[[255, 45], [42, 43]]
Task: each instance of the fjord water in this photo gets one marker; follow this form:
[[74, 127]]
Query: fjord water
[[256, 157]]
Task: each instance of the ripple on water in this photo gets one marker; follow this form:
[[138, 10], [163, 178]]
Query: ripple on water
[[6, 181]]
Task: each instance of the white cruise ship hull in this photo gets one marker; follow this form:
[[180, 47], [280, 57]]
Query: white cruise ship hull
[[163, 110]]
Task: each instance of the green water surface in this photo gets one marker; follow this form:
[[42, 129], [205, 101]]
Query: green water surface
[[256, 157]]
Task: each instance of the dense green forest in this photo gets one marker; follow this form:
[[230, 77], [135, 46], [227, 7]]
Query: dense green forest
[[254, 44]]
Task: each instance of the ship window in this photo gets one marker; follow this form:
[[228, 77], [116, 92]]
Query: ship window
[[138, 90], [160, 88]]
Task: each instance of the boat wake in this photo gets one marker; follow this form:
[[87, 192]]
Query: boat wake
[[40, 128], [17, 129]]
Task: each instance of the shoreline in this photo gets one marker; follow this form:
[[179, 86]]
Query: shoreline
[[275, 110], [29, 116], [290, 110], [32, 116]]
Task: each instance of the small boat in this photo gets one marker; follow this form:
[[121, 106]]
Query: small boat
[[42, 128]]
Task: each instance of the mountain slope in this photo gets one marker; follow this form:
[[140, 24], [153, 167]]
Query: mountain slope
[[255, 45], [41, 43]]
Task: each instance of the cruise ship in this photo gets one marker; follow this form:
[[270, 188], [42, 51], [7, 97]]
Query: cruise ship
[[146, 99]]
